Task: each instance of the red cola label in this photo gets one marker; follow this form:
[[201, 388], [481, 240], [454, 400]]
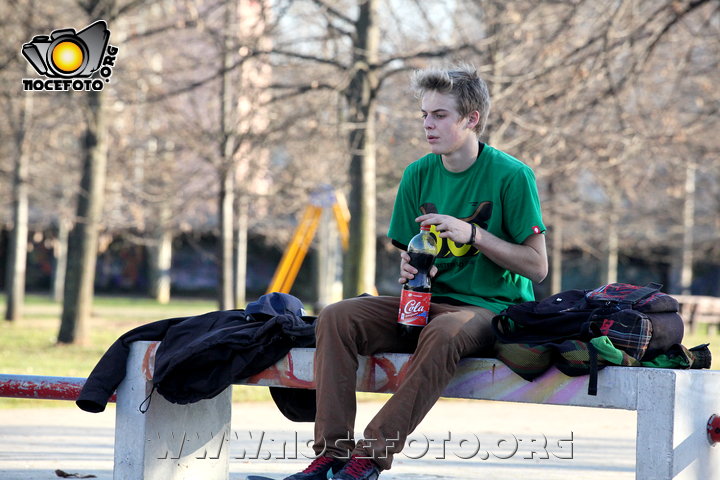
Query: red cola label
[[414, 308]]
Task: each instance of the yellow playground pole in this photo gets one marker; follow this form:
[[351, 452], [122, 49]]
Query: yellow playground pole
[[294, 255]]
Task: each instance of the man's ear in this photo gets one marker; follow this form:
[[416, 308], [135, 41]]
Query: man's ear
[[473, 119]]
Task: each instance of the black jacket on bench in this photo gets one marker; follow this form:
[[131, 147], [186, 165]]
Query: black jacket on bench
[[202, 355]]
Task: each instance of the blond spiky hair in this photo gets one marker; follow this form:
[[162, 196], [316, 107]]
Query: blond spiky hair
[[462, 82]]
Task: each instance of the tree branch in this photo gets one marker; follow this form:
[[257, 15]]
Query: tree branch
[[334, 12], [296, 90], [302, 56]]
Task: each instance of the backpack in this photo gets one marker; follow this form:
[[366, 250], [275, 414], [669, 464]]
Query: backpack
[[581, 331]]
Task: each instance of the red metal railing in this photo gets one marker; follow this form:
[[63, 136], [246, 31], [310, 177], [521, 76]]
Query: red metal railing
[[41, 387]]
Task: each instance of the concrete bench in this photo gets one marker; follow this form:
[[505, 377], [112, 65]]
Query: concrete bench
[[673, 408], [699, 310]]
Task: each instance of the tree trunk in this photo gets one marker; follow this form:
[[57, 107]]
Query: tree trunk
[[17, 252], [555, 232], [241, 253], [227, 165], [686, 271], [556, 251], [328, 253], [612, 251], [161, 258], [82, 245], [226, 201], [359, 264], [60, 252]]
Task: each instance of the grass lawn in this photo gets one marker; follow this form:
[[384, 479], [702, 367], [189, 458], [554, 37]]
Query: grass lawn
[[29, 346]]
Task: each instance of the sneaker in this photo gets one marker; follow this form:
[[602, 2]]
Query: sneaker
[[358, 469], [318, 469]]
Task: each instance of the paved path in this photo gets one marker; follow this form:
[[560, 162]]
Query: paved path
[[459, 440]]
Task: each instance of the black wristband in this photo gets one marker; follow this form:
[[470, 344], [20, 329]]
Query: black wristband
[[472, 235]]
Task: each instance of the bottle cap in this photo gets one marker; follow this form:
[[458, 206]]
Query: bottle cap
[[425, 228]]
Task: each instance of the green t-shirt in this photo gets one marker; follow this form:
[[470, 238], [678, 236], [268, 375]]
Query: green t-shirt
[[497, 193]]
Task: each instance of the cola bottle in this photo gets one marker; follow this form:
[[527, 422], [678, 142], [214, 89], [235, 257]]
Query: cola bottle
[[415, 297]]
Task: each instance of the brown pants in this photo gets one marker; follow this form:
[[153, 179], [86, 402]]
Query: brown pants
[[368, 325]]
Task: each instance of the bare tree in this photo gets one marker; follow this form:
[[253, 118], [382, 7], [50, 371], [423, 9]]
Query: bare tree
[[17, 258], [82, 244], [359, 70], [229, 129], [571, 85], [20, 116]]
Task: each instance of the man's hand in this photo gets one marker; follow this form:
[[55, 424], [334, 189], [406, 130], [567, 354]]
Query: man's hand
[[407, 271], [528, 259], [459, 231]]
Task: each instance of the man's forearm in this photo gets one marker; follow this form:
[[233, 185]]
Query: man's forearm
[[528, 259]]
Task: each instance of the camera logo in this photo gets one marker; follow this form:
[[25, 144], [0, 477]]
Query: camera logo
[[70, 59]]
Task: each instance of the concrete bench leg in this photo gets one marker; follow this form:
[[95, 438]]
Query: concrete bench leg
[[169, 441], [673, 409]]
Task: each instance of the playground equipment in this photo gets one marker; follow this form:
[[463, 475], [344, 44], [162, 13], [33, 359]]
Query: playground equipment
[[289, 266]]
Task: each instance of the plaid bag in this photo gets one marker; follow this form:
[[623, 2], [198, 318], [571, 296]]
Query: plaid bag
[[628, 330], [641, 321]]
